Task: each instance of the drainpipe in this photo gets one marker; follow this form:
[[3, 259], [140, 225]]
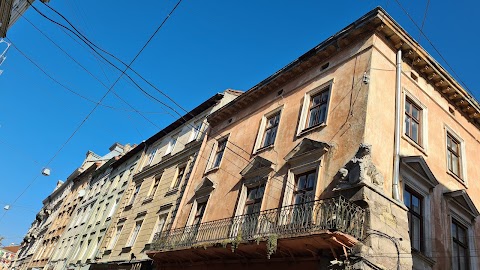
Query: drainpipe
[[396, 157]]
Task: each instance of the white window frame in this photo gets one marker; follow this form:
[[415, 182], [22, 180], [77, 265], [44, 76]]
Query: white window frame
[[134, 235], [193, 211], [423, 145], [114, 206], [302, 126], [213, 153], [463, 161], [263, 124], [155, 229], [297, 170], [172, 184], [151, 157], [196, 131], [116, 236], [135, 193], [171, 144]]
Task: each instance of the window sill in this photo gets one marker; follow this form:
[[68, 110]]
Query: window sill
[[108, 218], [128, 207], [171, 191], [107, 252], [263, 149], [456, 178], [211, 170], [191, 143], [423, 257], [310, 129], [147, 199], [126, 249], [415, 144]]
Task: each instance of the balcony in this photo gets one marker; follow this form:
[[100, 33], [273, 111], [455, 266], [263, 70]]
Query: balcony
[[320, 222]]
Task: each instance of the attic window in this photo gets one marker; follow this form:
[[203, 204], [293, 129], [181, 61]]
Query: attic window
[[451, 110], [414, 76], [279, 93], [230, 120], [325, 66]]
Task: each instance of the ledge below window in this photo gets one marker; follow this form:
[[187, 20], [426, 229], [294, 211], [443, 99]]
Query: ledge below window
[[263, 149], [128, 207], [126, 249], [306, 131], [211, 170], [171, 191]]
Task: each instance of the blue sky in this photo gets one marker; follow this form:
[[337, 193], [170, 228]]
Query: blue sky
[[204, 48]]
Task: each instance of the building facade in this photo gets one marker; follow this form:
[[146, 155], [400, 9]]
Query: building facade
[[360, 154], [33, 241], [11, 11], [7, 256], [79, 244]]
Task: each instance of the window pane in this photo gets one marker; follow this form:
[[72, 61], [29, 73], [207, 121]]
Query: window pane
[[414, 135], [415, 113], [407, 125], [251, 194], [416, 233], [415, 205], [310, 180], [462, 257], [455, 258], [455, 165], [260, 192], [406, 198], [462, 235], [301, 182]]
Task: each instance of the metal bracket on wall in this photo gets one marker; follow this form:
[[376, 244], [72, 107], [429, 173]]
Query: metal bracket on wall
[[4, 53]]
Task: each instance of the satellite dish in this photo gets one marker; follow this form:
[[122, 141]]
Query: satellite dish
[[7, 207]]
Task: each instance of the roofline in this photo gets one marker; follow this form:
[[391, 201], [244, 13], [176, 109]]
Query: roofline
[[212, 101], [375, 21]]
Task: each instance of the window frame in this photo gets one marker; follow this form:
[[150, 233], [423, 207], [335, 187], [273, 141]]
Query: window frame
[[133, 236], [462, 166], [215, 152], [289, 193], [171, 144], [176, 180], [420, 216], [155, 229], [422, 143], [196, 130], [409, 115], [259, 142], [135, 193], [455, 241], [303, 125]]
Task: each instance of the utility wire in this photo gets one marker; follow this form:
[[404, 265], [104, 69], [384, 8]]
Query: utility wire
[[96, 106], [434, 47]]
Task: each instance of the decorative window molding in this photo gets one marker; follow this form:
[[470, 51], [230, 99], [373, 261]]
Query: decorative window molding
[[197, 131], [202, 194], [171, 144], [218, 151], [267, 132], [462, 213], [415, 114], [452, 141], [315, 108]]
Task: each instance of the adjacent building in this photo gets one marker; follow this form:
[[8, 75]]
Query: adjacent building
[[151, 201], [360, 154], [11, 11], [7, 256]]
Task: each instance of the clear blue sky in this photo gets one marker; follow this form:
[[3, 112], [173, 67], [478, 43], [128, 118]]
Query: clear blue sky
[[205, 47]]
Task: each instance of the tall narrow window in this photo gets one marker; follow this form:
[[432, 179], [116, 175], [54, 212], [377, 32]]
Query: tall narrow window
[[304, 188], [178, 179], [253, 203], [196, 131], [114, 240], [134, 195], [114, 206], [271, 130], [152, 156], [159, 226], [171, 145], [199, 213], [133, 236], [219, 153], [318, 109], [412, 120], [453, 154], [155, 184], [460, 254], [415, 218]]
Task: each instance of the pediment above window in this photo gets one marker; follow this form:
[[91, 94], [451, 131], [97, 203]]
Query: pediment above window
[[205, 187], [256, 167], [307, 148], [461, 199], [417, 167]]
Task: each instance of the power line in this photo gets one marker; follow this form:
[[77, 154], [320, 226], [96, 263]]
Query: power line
[[96, 106], [434, 47]]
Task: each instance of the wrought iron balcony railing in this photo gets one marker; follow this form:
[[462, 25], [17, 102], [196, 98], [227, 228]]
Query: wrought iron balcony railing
[[335, 214]]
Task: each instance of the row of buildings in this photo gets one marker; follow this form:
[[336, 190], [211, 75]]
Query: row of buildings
[[360, 154]]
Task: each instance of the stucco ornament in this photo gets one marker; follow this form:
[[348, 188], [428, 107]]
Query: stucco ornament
[[360, 169]]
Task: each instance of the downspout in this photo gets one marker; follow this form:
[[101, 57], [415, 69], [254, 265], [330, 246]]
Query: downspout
[[396, 157]]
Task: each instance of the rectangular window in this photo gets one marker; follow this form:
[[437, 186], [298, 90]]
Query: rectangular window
[[135, 232], [304, 188], [159, 226], [318, 109], [196, 131], [115, 237], [152, 156], [219, 153], [199, 213], [155, 184], [415, 218], [134, 195], [453, 155], [253, 203], [178, 179], [271, 130], [413, 121], [114, 206], [171, 145], [460, 256]]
